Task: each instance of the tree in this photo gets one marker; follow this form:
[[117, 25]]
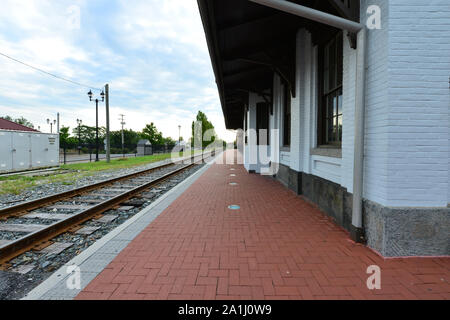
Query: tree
[[130, 137], [151, 133], [88, 134], [199, 137], [65, 140], [169, 141], [21, 121], [64, 136], [24, 122], [64, 133]]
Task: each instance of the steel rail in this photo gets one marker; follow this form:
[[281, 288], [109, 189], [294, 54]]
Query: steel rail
[[23, 207], [29, 241]]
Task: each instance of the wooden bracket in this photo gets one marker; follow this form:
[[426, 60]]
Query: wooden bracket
[[352, 39]]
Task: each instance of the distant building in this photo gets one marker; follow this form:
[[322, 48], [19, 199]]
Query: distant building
[[144, 148], [24, 148], [10, 125]]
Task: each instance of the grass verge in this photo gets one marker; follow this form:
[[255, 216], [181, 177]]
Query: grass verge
[[18, 183]]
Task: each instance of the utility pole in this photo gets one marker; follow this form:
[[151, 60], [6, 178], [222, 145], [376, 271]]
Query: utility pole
[[108, 149], [96, 131], [79, 122], [122, 122], [57, 122], [59, 136]]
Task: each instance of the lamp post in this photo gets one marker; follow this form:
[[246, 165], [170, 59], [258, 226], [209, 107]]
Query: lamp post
[[179, 134], [79, 122], [96, 120], [51, 123], [122, 122]]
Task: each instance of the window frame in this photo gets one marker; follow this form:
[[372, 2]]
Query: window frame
[[333, 89], [262, 121], [286, 107], [246, 126]]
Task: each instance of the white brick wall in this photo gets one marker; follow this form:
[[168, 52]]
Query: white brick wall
[[275, 120], [297, 104], [418, 122], [348, 129], [407, 134], [377, 110]]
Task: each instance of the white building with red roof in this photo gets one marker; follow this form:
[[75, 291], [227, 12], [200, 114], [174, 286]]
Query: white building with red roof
[[24, 148]]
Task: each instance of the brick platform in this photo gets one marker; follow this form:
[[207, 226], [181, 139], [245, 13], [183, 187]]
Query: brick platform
[[277, 246]]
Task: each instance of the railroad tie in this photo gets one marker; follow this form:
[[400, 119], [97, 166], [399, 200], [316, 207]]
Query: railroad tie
[[21, 227]]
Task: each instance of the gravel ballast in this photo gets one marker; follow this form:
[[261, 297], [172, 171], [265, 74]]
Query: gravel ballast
[[43, 190]]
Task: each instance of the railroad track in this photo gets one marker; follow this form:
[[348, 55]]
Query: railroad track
[[65, 211]]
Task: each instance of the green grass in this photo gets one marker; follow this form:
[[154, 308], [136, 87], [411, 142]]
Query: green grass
[[18, 183], [116, 163]]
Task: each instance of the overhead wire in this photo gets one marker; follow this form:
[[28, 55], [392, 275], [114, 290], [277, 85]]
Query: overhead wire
[[49, 73]]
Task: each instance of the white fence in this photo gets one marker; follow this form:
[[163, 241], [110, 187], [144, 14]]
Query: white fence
[[27, 150]]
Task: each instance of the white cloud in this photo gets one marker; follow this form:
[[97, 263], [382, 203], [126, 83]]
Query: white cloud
[[153, 54]]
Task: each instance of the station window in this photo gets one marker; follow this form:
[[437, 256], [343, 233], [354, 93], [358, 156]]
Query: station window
[[330, 128], [286, 116], [262, 123], [245, 125]]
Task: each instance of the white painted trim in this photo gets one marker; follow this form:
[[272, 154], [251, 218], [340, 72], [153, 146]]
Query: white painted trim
[[327, 168], [285, 158]]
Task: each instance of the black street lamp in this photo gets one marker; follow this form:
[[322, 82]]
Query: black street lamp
[[96, 120], [79, 122], [51, 123]]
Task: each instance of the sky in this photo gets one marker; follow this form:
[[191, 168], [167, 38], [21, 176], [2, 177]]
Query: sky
[[152, 53]]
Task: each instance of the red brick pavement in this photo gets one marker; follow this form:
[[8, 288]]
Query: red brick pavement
[[277, 246]]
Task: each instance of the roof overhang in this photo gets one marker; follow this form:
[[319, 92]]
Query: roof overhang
[[248, 43]]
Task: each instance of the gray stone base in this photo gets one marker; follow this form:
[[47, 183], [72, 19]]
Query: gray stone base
[[397, 232], [392, 232], [290, 178]]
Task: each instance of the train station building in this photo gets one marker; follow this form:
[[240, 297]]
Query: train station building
[[340, 185], [346, 103]]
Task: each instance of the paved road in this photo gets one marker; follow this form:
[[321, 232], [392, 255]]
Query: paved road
[[74, 158]]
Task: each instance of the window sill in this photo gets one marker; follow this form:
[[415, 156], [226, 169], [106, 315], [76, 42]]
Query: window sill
[[327, 151], [285, 149]]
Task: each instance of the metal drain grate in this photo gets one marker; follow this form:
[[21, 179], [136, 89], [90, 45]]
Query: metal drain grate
[[233, 184], [234, 207]]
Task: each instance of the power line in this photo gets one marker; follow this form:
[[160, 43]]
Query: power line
[[50, 74]]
